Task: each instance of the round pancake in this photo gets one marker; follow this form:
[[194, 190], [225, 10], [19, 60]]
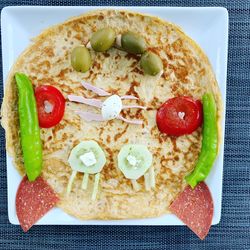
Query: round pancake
[[187, 72]]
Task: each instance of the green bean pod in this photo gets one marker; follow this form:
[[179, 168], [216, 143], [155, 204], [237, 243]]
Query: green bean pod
[[29, 127], [209, 142]]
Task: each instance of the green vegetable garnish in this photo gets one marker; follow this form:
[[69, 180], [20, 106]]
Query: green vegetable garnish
[[88, 158], [29, 127], [102, 39], [209, 142], [134, 160], [151, 63], [133, 43]]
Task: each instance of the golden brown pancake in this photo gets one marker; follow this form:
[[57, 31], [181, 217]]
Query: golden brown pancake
[[187, 72]]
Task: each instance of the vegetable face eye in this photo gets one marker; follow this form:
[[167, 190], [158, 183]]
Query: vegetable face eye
[[179, 116], [50, 104]]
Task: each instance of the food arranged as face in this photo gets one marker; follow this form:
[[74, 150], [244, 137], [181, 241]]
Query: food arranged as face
[[181, 115]]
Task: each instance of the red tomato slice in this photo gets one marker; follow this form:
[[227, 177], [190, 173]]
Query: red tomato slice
[[179, 116], [50, 105]]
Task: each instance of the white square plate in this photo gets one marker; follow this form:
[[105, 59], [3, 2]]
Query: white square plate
[[207, 26]]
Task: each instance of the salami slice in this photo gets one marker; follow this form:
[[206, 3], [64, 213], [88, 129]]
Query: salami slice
[[195, 208], [33, 201]]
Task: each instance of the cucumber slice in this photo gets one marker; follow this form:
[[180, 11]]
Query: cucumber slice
[[134, 160], [83, 148]]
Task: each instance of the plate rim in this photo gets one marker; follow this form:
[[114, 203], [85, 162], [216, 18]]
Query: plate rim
[[223, 11]]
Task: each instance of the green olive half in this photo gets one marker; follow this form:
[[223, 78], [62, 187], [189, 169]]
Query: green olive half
[[81, 59], [151, 63], [133, 43], [102, 39]]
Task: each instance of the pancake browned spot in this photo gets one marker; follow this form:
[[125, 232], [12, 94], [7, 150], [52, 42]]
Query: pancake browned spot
[[119, 135]]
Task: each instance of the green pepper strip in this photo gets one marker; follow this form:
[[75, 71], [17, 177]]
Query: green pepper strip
[[29, 127], [209, 142]]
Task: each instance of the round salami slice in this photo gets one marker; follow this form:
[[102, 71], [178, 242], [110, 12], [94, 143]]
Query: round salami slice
[[195, 208], [33, 201]]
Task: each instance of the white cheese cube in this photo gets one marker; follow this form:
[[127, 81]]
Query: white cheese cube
[[132, 160], [88, 159]]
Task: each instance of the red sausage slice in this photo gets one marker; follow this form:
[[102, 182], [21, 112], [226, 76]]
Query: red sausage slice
[[33, 201], [195, 208]]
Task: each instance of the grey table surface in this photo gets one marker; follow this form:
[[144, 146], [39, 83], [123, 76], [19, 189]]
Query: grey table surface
[[233, 232]]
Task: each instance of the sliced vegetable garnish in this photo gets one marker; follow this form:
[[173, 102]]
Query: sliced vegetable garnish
[[88, 158], [33, 201], [136, 185], [147, 181], [95, 189], [179, 116], [134, 160], [50, 105], [195, 208], [29, 128], [71, 180], [152, 177], [85, 181], [209, 142], [80, 161]]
